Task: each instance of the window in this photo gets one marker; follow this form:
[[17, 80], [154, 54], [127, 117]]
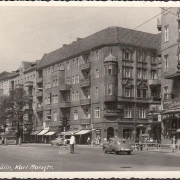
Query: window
[[139, 56], [153, 60], [55, 116], [127, 112], [142, 113], [109, 89], [138, 92], [73, 96], [54, 83], [77, 61], [144, 93], [77, 79], [97, 55], [55, 98], [49, 71], [49, 85], [97, 112], [109, 69], [139, 73], [126, 72], [166, 89], [153, 75], [68, 80], [127, 92], [48, 100], [77, 95], [127, 54], [75, 115], [73, 80], [166, 33], [68, 64], [46, 86], [144, 75], [46, 72], [97, 73], [166, 62], [97, 92]]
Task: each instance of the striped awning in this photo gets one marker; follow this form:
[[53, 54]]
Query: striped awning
[[83, 132], [69, 132], [50, 133], [43, 132]]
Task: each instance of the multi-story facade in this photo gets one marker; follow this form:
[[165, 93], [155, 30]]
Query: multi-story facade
[[25, 77], [4, 83], [170, 54], [105, 82]]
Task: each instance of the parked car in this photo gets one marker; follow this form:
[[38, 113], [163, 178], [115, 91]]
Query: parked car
[[117, 145], [57, 141]]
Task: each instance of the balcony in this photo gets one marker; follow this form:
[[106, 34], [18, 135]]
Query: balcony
[[39, 80], [39, 93], [19, 86], [154, 82], [65, 87], [84, 102], [85, 83], [28, 84], [65, 104], [110, 98], [85, 66], [80, 121], [156, 99], [29, 97]]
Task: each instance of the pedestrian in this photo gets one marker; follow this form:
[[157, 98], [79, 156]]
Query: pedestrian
[[174, 143], [5, 141], [105, 140], [88, 140], [2, 140], [72, 142]]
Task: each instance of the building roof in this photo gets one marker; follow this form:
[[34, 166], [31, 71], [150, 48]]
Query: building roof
[[108, 36], [110, 58], [4, 75]]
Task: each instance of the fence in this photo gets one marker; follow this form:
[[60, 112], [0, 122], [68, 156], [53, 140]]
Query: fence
[[166, 148]]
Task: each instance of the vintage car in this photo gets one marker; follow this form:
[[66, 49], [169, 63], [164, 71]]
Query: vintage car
[[117, 145], [57, 141]]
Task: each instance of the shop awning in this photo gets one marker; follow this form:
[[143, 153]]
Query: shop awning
[[69, 132], [34, 132], [43, 132], [178, 130], [83, 132], [50, 133]]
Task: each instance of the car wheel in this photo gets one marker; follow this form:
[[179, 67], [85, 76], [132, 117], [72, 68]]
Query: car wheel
[[115, 152], [105, 151], [129, 152]]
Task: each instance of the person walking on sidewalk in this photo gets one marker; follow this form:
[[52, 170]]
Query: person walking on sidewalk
[[174, 144], [72, 142]]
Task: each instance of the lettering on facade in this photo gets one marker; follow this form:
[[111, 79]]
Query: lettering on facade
[[113, 113], [175, 103]]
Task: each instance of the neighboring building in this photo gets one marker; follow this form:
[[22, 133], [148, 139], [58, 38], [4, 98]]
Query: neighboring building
[[25, 77], [105, 82], [4, 83], [170, 53]]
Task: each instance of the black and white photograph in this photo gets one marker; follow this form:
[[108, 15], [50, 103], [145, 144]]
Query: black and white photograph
[[89, 88]]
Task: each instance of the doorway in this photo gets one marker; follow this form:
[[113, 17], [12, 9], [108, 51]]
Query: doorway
[[110, 132]]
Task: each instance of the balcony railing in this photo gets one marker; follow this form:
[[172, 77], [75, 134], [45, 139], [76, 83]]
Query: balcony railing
[[109, 98], [39, 80], [85, 66], [53, 123], [154, 82], [85, 82], [65, 104], [28, 84], [84, 102], [39, 93], [65, 87], [80, 121]]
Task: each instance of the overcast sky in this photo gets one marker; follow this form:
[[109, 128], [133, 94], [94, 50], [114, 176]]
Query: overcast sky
[[29, 32]]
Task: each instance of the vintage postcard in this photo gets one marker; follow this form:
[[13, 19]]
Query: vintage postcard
[[89, 90]]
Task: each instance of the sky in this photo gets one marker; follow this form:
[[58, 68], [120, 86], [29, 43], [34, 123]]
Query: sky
[[27, 33]]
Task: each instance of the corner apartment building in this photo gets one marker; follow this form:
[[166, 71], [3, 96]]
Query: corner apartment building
[[25, 77], [105, 82], [4, 83], [170, 39]]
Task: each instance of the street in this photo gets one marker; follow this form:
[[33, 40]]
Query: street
[[44, 157]]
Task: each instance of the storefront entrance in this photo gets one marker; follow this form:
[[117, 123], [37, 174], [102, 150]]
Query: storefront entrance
[[110, 132]]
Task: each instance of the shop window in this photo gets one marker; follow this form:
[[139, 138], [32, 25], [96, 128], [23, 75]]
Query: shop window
[[97, 112]]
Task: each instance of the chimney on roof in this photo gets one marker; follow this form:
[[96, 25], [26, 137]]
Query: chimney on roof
[[79, 39], [64, 45]]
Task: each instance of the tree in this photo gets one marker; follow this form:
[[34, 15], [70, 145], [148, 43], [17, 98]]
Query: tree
[[11, 108]]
